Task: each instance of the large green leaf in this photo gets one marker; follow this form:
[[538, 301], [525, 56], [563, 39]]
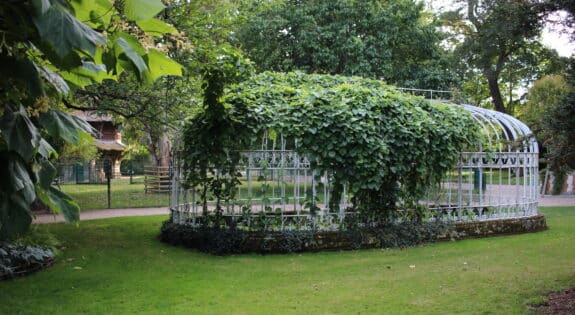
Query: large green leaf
[[59, 202], [65, 33], [41, 6], [94, 13], [46, 150], [54, 79], [19, 133], [19, 180], [16, 195], [64, 126], [86, 74], [142, 9], [129, 47], [155, 27], [15, 216], [46, 173], [160, 65]]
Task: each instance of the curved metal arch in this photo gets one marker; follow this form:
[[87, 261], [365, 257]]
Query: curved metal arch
[[511, 129]]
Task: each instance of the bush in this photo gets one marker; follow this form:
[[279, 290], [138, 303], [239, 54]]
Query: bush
[[16, 260]]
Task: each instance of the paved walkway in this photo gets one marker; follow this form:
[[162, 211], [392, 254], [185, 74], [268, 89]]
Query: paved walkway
[[557, 201], [544, 201], [103, 213]]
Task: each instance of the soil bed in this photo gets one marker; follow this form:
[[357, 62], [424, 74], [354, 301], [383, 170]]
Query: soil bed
[[558, 303]]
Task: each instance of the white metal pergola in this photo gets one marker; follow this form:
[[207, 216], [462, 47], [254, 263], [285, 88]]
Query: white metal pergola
[[498, 179]]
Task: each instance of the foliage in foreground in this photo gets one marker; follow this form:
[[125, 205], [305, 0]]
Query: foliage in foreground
[[49, 49], [386, 147]]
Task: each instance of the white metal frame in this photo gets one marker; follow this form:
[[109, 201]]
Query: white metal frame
[[499, 179]]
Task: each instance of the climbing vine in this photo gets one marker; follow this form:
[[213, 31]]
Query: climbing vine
[[385, 146], [218, 132]]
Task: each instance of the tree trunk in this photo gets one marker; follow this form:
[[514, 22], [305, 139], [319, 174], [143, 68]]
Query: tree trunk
[[494, 91], [165, 148], [153, 148], [161, 148]]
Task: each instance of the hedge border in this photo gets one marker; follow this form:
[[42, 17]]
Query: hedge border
[[221, 241]]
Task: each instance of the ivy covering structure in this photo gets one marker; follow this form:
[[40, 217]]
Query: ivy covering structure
[[313, 153]]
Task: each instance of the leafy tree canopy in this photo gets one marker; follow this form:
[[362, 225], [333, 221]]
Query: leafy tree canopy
[[550, 112], [395, 41], [48, 49], [386, 146], [499, 39]]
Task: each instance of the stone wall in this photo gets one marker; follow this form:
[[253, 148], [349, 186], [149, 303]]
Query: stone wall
[[465, 230]]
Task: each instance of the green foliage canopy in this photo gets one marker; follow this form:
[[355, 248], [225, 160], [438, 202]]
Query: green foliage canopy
[[499, 41], [550, 112], [386, 146], [49, 48], [395, 41]]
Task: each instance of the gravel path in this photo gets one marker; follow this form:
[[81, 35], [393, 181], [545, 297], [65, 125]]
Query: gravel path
[[556, 201], [544, 201]]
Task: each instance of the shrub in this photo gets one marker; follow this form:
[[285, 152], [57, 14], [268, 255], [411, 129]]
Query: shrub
[[18, 260]]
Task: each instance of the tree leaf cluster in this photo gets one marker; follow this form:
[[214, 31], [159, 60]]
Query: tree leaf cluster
[[394, 41], [550, 113], [497, 46], [49, 48]]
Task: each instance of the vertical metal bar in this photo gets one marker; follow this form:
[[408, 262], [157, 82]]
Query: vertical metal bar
[[460, 187]]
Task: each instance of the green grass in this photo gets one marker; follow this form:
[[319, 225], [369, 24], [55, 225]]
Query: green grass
[[117, 266], [123, 195]]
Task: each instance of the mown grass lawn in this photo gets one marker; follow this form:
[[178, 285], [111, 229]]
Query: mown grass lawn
[[117, 266], [122, 195]]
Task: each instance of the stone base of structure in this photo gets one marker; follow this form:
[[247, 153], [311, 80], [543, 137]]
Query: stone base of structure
[[223, 241]]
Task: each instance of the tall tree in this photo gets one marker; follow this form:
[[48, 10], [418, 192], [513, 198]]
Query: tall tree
[[495, 33], [49, 48], [550, 113], [396, 41], [525, 66]]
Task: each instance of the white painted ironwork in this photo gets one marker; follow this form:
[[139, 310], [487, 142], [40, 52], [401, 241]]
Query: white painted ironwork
[[497, 179]]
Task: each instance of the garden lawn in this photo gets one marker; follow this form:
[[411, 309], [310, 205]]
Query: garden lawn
[[117, 266], [122, 195]]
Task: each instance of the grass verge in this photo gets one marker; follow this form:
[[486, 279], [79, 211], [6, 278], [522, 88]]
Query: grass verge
[[117, 266], [122, 195]]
